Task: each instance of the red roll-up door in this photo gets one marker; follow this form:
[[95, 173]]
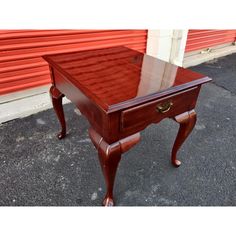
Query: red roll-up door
[[203, 39], [21, 65]]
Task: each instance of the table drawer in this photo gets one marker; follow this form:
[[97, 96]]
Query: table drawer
[[152, 112]]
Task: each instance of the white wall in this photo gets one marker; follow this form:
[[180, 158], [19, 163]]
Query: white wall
[[167, 45]]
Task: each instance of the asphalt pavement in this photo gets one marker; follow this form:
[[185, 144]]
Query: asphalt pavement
[[37, 169]]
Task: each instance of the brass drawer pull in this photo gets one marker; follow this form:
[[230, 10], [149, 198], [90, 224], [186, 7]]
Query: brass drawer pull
[[163, 108]]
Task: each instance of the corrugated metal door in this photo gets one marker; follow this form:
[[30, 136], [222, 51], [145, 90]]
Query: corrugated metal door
[[21, 65], [203, 39]]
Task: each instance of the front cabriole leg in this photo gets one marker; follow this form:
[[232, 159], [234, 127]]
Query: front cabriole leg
[[109, 157], [56, 97], [187, 122]]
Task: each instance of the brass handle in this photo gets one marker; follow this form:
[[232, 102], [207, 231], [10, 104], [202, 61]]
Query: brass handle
[[163, 108]]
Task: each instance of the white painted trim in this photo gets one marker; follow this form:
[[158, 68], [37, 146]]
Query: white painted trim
[[167, 45], [179, 41], [24, 93], [196, 59], [152, 42], [159, 44], [191, 53], [25, 106]]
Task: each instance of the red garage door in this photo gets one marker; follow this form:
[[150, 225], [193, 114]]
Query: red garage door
[[21, 65], [203, 39]]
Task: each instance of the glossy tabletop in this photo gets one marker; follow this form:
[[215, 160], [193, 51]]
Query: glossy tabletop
[[114, 77], [121, 91]]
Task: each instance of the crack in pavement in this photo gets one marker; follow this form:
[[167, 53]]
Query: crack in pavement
[[221, 86]]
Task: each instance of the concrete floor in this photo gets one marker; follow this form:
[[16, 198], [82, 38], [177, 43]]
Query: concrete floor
[[36, 169]]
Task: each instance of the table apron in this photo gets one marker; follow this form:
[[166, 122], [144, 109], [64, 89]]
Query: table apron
[[137, 118]]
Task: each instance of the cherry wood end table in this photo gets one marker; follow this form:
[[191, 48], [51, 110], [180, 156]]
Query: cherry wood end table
[[121, 91]]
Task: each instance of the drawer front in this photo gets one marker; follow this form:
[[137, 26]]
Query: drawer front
[[140, 116]]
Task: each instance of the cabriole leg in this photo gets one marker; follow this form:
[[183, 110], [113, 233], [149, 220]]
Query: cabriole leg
[[187, 122], [109, 157], [56, 97], [109, 162]]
